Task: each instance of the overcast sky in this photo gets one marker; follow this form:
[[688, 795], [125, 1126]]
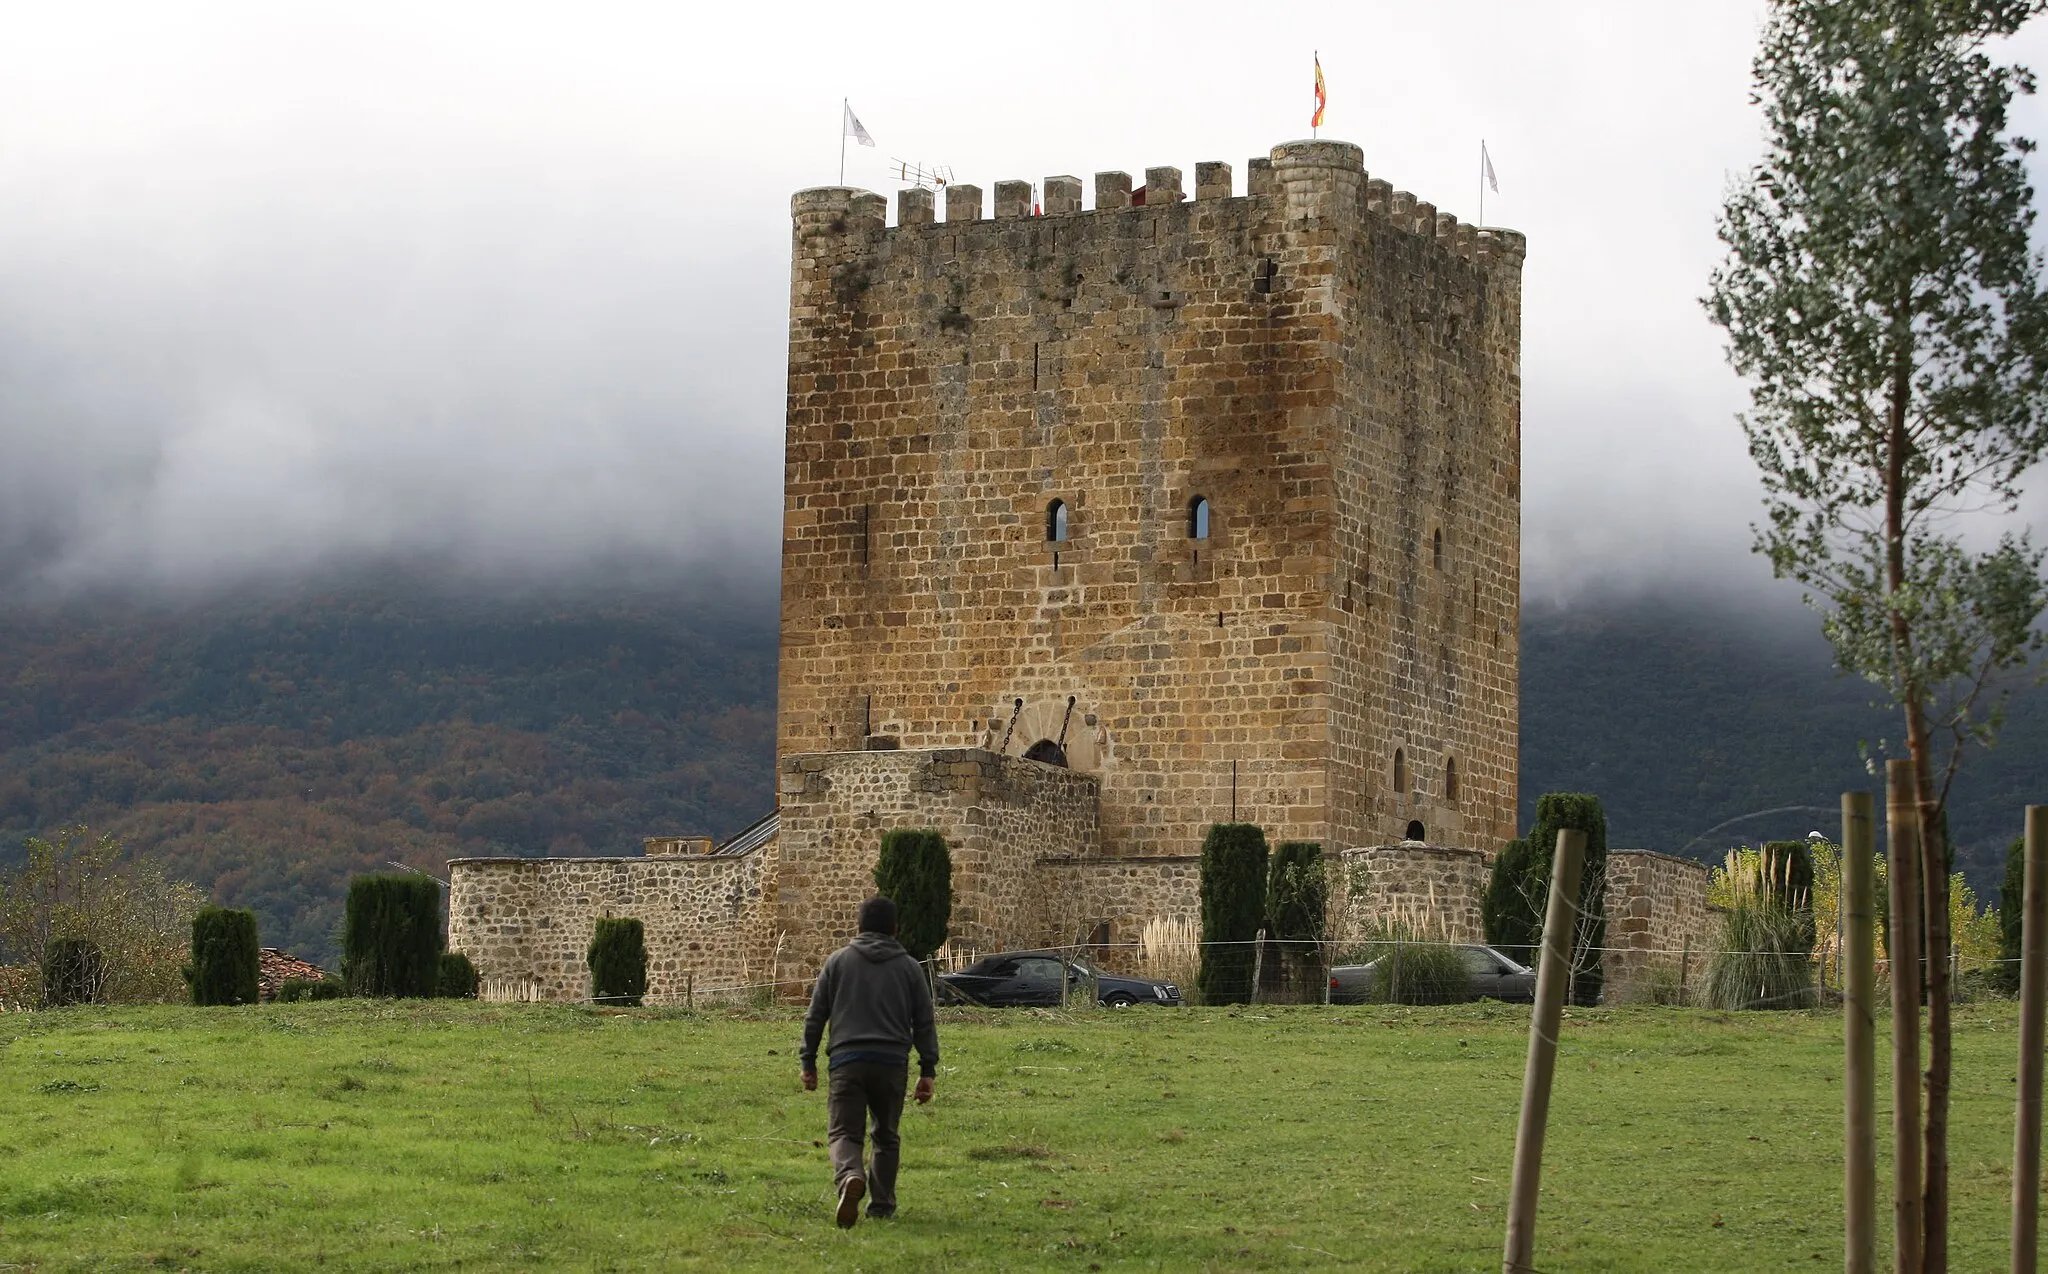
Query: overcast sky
[[284, 286]]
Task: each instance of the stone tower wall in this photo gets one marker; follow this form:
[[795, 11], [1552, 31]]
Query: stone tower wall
[[949, 380], [1426, 442]]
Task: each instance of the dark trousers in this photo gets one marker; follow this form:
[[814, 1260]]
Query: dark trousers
[[857, 1092]]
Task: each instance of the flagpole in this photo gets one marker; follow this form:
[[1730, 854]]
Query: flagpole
[[1482, 182], [844, 107], [1313, 128]]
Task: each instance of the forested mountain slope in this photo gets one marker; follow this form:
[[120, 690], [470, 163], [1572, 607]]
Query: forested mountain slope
[[269, 748]]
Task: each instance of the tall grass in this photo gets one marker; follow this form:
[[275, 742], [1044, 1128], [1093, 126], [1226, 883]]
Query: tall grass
[[1765, 961], [1419, 960], [1170, 949]]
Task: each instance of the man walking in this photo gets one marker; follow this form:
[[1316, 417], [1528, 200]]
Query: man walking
[[873, 994]]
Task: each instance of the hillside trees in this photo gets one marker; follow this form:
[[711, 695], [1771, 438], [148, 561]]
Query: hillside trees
[[1881, 299]]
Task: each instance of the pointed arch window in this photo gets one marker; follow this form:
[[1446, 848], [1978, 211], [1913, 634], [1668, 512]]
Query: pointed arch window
[[1450, 778], [1198, 518], [1400, 772]]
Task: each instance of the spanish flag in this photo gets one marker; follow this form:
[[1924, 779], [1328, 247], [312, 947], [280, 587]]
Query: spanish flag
[[1316, 120]]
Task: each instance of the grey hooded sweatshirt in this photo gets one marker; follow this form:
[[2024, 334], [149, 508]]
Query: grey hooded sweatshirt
[[875, 997]]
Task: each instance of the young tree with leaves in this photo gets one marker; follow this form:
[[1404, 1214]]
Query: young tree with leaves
[[1881, 300]]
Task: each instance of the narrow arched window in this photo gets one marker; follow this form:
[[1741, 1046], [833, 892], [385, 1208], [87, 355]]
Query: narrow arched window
[[1436, 550], [1400, 772], [1198, 518], [1450, 778], [1416, 831], [1056, 522]]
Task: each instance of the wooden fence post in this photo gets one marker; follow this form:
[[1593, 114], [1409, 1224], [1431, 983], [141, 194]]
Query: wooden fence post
[[1684, 964], [1902, 852], [2026, 1133], [1856, 916], [1553, 978], [1258, 964], [690, 990]]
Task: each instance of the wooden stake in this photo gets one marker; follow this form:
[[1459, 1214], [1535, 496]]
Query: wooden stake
[[1258, 964], [1902, 833], [1553, 977], [2026, 1134], [1684, 964], [1856, 913], [689, 990]]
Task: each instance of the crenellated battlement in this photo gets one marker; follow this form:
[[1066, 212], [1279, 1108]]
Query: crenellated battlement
[[1313, 178]]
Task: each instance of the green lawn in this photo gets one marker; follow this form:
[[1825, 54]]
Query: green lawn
[[441, 1135]]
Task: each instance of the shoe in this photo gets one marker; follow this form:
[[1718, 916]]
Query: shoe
[[881, 1214], [850, 1192]]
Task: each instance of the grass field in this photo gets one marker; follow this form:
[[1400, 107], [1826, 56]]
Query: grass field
[[440, 1135]]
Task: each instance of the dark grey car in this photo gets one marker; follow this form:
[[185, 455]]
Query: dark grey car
[[1489, 975]]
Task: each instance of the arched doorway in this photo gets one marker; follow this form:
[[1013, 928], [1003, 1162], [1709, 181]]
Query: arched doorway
[[1415, 830]]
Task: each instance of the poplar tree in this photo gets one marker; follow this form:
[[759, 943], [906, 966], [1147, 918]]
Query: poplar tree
[[1881, 300]]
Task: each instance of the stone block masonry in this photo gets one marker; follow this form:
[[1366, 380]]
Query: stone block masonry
[[1000, 431], [528, 921], [1657, 910]]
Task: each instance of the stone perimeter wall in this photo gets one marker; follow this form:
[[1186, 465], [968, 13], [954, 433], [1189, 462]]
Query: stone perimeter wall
[[999, 815], [1072, 896], [526, 922]]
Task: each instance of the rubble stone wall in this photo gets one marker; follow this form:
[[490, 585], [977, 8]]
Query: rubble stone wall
[[526, 923], [999, 816], [1074, 899], [1433, 888]]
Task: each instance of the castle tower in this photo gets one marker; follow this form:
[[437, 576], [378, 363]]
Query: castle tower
[[1215, 499]]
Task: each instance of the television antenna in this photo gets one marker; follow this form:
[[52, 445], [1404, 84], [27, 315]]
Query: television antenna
[[935, 177]]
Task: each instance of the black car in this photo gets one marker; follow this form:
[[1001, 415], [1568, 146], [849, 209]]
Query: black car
[[1033, 978]]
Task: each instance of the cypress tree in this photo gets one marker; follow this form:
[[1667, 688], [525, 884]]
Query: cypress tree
[[391, 936], [224, 960], [1556, 811], [1297, 908], [915, 871], [1512, 911], [618, 961], [1233, 905]]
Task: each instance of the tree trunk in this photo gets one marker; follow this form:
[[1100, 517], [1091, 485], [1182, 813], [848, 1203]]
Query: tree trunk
[[1903, 856], [1934, 960]]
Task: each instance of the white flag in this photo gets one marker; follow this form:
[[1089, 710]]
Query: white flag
[[854, 129], [1485, 164]]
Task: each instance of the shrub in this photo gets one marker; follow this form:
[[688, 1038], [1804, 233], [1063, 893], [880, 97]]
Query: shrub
[[292, 990], [1556, 811], [618, 961], [915, 871], [458, 979], [74, 972], [224, 961], [1233, 893], [391, 936], [1512, 911], [1417, 963]]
